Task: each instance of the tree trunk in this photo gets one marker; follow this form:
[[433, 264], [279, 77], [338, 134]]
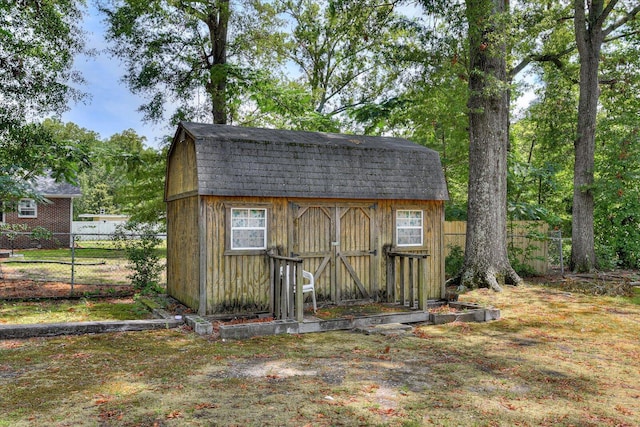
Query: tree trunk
[[486, 261], [589, 38], [218, 23]]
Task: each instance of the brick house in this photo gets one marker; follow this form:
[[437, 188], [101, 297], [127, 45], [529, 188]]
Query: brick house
[[54, 214]]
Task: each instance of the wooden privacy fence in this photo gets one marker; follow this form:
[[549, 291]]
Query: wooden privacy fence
[[526, 240]]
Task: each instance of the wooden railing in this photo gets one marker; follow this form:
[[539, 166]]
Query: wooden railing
[[413, 268], [284, 274]]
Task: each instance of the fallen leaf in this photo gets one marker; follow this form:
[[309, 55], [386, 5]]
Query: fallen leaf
[[205, 405], [623, 410], [174, 414]]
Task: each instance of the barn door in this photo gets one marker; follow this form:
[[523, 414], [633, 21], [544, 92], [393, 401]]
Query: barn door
[[355, 254], [314, 228], [337, 245]]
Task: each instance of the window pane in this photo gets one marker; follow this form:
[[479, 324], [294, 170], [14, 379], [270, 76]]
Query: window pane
[[409, 230], [254, 223], [248, 239], [238, 222], [411, 236], [248, 228], [27, 208]]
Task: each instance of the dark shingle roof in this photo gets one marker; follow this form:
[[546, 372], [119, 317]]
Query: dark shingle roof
[[236, 161], [46, 186]]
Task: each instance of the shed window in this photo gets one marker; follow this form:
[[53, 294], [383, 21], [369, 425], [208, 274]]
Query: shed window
[[409, 228], [248, 228], [27, 208]]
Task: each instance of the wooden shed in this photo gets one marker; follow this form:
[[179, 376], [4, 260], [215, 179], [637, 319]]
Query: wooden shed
[[345, 206]]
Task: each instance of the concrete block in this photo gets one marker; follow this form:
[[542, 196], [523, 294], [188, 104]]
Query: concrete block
[[491, 314], [200, 325], [76, 328], [248, 330]]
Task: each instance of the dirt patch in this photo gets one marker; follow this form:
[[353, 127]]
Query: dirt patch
[[26, 289], [358, 310]]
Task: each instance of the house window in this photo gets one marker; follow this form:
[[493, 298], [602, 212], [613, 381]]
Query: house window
[[409, 228], [248, 228], [27, 208]]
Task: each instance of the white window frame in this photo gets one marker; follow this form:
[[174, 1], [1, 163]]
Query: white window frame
[[409, 227], [248, 227], [31, 207]]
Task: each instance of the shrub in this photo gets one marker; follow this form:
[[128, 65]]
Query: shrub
[[454, 262], [139, 242]]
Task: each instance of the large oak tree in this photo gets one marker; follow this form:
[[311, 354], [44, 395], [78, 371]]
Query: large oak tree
[[594, 22], [486, 262]]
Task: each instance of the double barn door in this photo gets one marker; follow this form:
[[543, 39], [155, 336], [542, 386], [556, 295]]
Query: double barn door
[[338, 245]]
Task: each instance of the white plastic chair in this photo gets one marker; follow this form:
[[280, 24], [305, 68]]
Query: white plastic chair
[[309, 286]]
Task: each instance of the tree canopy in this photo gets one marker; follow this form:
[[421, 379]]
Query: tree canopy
[[38, 42]]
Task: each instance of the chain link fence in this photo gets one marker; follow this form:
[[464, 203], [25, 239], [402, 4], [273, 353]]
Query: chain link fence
[[74, 259], [557, 248]]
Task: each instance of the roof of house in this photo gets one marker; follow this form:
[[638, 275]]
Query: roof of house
[[238, 161], [46, 186]]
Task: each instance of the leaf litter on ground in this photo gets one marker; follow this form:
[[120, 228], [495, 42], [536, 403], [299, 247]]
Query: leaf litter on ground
[[554, 358]]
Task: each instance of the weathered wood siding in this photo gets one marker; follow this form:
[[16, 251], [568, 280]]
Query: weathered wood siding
[[239, 280], [433, 241], [183, 251], [181, 170], [341, 242]]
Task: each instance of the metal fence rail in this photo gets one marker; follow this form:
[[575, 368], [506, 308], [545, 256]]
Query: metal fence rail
[[90, 258]]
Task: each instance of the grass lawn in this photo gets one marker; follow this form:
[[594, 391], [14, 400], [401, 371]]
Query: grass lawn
[[96, 264], [555, 358], [82, 310]]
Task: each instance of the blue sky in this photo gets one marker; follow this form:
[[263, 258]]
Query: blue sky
[[111, 108]]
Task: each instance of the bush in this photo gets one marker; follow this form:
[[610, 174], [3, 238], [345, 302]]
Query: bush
[[139, 242], [454, 262]]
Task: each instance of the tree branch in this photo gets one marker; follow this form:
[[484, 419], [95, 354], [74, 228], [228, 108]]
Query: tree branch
[[605, 13], [629, 16], [549, 57], [622, 36]]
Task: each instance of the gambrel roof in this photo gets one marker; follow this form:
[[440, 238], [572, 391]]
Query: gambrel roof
[[238, 161]]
